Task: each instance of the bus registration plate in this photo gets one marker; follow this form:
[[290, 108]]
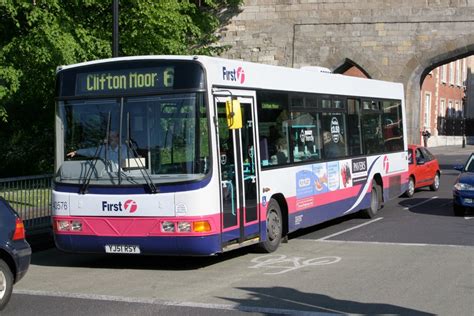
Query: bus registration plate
[[122, 249]]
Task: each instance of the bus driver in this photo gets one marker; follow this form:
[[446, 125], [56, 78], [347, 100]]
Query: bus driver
[[110, 152]]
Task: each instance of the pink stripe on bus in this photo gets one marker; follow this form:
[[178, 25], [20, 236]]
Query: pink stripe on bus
[[135, 226]]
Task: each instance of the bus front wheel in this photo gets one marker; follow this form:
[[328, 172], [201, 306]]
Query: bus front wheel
[[274, 227]]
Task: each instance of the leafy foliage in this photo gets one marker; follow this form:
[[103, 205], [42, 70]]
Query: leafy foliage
[[38, 35]]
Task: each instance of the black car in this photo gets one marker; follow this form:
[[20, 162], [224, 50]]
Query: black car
[[15, 252]]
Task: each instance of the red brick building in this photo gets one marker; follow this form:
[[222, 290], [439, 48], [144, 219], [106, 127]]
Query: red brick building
[[442, 95]]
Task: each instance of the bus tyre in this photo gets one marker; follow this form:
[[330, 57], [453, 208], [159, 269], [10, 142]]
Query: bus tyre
[[411, 187], [375, 199], [274, 227], [6, 284], [435, 185]]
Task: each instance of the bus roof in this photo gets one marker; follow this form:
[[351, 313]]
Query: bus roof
[[237, 74]]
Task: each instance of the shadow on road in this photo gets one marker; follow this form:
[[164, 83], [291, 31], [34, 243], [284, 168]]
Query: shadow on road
[[55, 258], [439, 207], [294, 300]]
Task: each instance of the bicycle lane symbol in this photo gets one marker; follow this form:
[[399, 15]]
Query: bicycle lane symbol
[[285, 264]]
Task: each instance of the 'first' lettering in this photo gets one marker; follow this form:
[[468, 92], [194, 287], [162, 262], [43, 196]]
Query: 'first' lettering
[[111, 207], [228, 74]]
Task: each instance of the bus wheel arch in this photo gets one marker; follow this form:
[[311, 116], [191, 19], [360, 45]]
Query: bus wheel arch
[[378, 180], [276, 223], [376, 200], [284, 211]]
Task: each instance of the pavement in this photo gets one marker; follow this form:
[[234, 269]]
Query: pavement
[[452, 150]]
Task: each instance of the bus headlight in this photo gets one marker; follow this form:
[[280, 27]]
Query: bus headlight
[[184, 227], [167, 227], [76, 226], [63, 226]]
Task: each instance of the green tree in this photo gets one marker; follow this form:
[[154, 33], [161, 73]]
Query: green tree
[[36, 36]]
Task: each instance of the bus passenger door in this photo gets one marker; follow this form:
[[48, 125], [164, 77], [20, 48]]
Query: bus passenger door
[[238, 177]]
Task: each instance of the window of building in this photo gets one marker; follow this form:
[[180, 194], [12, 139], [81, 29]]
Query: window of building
[[458, 109], [451, 73], [442, 107], [444, 70], [458, 72], [464, 72], [426, 112], [450, 109]]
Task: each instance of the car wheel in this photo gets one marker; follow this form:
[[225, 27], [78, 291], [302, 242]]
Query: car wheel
[[375, 199], [274, 227], [411, 187], [6, 284], [458, 210], [435, 185]]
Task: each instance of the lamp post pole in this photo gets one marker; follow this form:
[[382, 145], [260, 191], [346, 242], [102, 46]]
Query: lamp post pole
[[115, 32]]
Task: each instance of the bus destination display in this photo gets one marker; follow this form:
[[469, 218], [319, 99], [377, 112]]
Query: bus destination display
[[128, 80]]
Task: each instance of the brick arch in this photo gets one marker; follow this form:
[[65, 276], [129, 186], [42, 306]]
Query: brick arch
[[419, 66], [347, 65], [394, 40]]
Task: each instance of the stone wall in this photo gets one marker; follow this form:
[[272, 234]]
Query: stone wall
[[396, 40]]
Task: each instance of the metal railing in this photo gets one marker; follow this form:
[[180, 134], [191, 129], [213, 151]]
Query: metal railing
[[30, 196], [455, 126]]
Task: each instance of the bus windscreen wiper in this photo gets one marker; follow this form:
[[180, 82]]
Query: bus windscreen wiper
[[95, 158], [146, 176], [90, 171]]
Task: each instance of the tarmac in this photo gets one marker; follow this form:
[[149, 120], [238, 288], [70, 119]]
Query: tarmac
[[42, 240]]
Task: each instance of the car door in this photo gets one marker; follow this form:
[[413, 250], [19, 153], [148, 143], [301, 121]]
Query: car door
[[430, 165], [422, 173]]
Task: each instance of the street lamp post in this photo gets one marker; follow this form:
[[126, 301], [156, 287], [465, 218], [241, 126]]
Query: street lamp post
[[115, 32]]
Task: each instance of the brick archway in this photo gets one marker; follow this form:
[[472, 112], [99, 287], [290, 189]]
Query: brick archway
[[448, 51], [391, 40]]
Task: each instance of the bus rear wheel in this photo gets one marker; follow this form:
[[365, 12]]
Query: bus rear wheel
[[274, 228], [375, 202]]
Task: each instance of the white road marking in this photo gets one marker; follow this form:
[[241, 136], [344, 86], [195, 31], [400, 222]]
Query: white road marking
[[411, 206], [285, 264], [231, 307], [394, 243], [349, 229], [467, 217]]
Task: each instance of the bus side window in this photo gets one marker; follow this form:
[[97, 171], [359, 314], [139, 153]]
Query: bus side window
[[272, 113]]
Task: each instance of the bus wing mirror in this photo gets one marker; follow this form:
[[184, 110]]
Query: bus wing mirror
[[234, 114]]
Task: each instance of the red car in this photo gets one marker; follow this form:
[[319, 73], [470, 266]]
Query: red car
[[423, 169]]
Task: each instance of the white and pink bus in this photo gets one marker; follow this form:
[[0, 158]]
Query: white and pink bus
[[195, 155]]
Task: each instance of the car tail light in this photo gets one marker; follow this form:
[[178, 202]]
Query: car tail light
[[19, 233]]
